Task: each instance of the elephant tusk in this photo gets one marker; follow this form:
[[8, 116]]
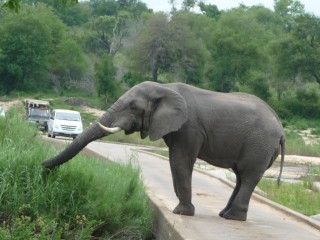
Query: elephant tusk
[[109, 130]]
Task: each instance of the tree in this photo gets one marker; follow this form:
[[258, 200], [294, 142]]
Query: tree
[[66, 68], [15, 4], [297, 53], [287, 10], [108, 32], [210, 10], [187, 5], [26, 41], [169, 45], [237, 49], [189, 51], [151, 52], [104, 7], [105, 78]]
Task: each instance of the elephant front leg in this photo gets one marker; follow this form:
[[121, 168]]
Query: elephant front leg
[[181, 170]]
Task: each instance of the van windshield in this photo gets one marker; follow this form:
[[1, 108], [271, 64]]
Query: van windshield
[[39, 112], [67, 116]]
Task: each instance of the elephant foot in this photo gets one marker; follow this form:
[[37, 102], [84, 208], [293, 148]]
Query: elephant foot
[[184, 209], [234, 215], [223, 212]]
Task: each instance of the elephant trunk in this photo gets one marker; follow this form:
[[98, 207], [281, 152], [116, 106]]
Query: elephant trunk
[[93, 132]]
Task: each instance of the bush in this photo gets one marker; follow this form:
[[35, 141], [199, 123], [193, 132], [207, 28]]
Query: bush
[[280, 108], [83, 199], [306, 104]]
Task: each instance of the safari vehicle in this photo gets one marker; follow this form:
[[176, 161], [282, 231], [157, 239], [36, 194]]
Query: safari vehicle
[[38, 112], [66, 123]]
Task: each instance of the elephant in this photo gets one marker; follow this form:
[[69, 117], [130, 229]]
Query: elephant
[[228, 130]]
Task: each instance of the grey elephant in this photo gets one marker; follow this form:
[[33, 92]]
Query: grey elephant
[[228, 130]]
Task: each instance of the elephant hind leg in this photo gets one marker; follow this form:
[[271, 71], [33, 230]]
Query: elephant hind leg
[[233, 195], [239, 207]]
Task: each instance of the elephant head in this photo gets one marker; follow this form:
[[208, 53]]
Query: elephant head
[[149, 108]]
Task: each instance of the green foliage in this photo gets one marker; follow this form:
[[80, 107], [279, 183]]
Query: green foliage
[[25, 45], [16, 4], [70, 12], [305, 104], [105, 77], [236, 49], [133, 78], [86, 198], [189, 52], [210, 10], [287, 10], [151, 52], [281, 109], [293, 196], [65, 66], [27, 41], [169, 45]]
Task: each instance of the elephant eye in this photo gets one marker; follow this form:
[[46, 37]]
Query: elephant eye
[[136, 107], [133, 106]]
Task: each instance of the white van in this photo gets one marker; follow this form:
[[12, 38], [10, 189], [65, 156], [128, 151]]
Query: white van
[[64, 123]]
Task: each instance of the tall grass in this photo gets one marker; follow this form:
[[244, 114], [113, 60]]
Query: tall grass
[[83, 199]]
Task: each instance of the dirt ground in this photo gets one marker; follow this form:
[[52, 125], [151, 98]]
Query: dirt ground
[[7, 105]]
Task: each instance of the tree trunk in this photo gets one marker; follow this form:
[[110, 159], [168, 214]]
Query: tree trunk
[[155, 72]]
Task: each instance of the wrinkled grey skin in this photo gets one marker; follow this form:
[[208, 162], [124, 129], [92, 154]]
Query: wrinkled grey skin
[[228, 130]]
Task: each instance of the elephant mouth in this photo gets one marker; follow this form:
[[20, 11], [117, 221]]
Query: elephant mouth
[[127, 132], [132, 129]]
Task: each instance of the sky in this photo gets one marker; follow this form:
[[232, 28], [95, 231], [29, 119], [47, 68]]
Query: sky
[[311, 6]]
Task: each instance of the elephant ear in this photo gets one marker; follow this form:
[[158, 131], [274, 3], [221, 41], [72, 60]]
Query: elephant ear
[[167, 113]]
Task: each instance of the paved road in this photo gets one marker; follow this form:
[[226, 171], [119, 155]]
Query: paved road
[[209, 197]]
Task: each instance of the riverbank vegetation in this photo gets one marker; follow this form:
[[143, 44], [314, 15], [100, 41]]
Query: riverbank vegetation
[[88, 198]]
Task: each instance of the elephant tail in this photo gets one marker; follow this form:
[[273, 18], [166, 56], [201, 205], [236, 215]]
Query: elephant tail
[[283, 150]]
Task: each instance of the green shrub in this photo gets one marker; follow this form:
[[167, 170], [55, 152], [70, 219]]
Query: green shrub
[[280, 108], [305, 104], [83, 199]]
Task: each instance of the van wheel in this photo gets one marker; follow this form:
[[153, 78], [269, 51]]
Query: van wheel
[[49, 134]]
